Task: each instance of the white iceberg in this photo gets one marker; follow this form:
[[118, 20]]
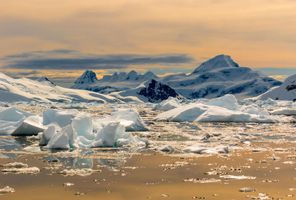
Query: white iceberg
[[30, 126], [16, 122], [60, 117], [112, 135], [225, 112], [284, 111], [227, 101], [168, 104], [129, 118], [70, 129]]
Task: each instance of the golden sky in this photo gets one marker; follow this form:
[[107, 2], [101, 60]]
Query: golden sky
[[257, 33]]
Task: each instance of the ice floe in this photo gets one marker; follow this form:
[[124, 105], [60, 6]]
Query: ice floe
[[77, 172], [198, 149], [235, 177], [6, 190], [223, 109], [129, 118], [19, 168], [16, 122], [168, 104]]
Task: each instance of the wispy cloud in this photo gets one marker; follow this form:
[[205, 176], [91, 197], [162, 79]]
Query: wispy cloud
[[70, 60]]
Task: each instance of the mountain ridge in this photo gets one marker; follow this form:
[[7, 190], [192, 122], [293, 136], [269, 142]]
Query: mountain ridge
[[215, 77]]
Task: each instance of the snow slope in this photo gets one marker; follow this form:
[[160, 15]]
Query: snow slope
[[214, 78], [17, 90], [287, 91]]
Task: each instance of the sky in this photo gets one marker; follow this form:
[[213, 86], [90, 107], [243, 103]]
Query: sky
[[165, 36]]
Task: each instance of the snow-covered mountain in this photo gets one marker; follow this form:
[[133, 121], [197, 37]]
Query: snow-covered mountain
[[112, 83], [150, 91], [45, 80], [88, 77], [287, 91], [214, 78], [42, 90], [219, 76], [216, 63]]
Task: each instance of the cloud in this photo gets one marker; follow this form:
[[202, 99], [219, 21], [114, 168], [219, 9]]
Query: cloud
[[71, 60]]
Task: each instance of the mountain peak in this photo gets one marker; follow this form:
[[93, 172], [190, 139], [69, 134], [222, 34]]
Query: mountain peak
[[217, 62], [44, 79], [156, 91], [87, 77]]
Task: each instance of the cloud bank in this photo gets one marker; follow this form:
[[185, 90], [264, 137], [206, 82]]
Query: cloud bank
[[64, 59]]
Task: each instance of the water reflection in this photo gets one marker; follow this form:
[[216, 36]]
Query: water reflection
[[89, 159]]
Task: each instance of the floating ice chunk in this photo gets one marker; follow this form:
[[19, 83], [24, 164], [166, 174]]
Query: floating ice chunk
[[228, 101], [68, 184], [207, 150], [214, 114], [202, 112], [28, 170], [183, 113], [48, 134], [168, 104], [30, 126], [13, 115], [254, 109], [112, 135], [247, 189], [59, 117], [19, 168], [63, 139], [81, 132], [83, 126], [204, 180], [6, 190], [284, 111], [166, 148], [77, 172], [225, 115], [17, 122], [242, 177], [15, 165], [130, 119]]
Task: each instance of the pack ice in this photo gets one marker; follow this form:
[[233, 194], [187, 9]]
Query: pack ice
[[222, 109]]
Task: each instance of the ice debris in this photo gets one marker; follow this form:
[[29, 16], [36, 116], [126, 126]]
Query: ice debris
[[19, 168], [198, 149], [6, 190]]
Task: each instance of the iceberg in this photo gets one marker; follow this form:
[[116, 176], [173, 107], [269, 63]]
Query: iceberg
[[71, 129], [168, 104], [129, 118], [217, 111], [112, 135], [30, 126], [16, 122], [60, 117]]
